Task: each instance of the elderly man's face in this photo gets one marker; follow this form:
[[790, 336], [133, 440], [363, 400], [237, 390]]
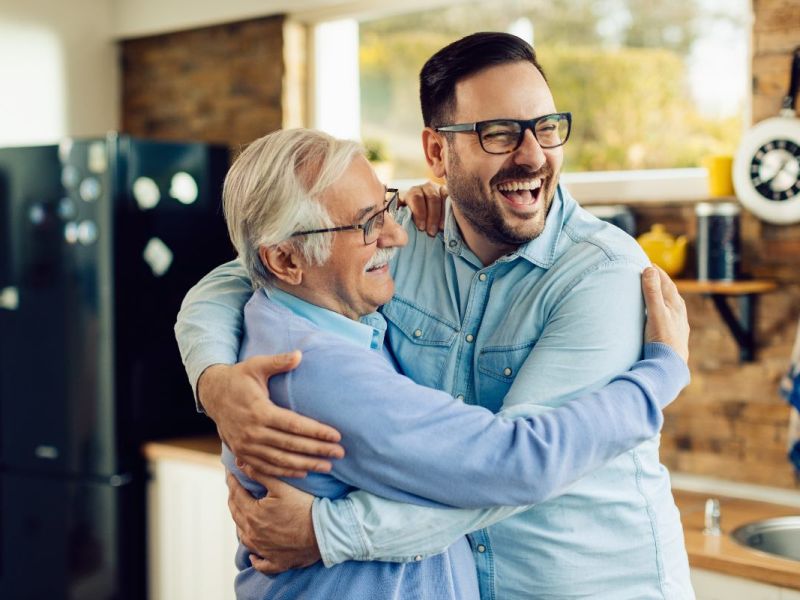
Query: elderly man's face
[[355, 280], [502, 197]]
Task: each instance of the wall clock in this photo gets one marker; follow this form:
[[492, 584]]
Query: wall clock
[[766, 169]]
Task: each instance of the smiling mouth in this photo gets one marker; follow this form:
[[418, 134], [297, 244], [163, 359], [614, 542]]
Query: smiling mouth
[[524, 192], [378, 267]]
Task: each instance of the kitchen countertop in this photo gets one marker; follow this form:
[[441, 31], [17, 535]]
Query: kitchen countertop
[[713, 553], [722, 553]]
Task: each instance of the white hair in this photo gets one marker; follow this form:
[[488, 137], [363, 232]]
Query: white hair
[[273, 190]]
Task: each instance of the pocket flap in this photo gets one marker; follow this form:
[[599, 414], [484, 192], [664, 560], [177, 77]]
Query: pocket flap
[[418, 325]]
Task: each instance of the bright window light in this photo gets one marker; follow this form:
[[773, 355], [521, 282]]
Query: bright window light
[[337, 106], [32, 107]]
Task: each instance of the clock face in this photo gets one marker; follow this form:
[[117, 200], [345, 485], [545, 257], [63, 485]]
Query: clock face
[[775, 170]]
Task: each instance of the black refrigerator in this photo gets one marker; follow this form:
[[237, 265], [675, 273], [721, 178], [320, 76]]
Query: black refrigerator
[[99, 241]]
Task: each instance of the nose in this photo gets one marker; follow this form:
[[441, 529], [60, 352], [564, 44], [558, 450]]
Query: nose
[[530, 153], [392, 235]]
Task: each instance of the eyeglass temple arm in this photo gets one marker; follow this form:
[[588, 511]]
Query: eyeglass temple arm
[[459, 127]]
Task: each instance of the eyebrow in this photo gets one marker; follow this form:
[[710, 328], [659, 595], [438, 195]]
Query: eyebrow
[[367, 210]]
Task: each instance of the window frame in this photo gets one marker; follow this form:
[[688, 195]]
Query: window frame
[[678, 185]]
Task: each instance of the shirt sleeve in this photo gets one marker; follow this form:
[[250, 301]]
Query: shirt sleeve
[[368, 527], [209, 324]]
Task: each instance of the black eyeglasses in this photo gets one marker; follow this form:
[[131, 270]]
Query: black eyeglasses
[[373, 226], [502, 136]]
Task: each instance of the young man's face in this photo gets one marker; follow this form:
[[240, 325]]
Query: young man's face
[[504, 198]]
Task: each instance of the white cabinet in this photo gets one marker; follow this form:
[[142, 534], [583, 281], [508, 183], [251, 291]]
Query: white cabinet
[[191, 536], [710, 585]]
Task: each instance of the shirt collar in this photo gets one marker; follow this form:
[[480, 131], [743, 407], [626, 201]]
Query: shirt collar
[[368, 332], [540, 251]]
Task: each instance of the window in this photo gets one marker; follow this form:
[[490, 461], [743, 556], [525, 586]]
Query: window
[[651, 85]]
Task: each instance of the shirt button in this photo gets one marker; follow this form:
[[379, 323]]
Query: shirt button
[[470, 338], [418, 557], [452, 243], [507, 371], [460, 397], [482, 276], [481, 548], [418, 333]]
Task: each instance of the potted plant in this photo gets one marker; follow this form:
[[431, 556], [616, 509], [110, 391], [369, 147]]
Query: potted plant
[[376, 154]]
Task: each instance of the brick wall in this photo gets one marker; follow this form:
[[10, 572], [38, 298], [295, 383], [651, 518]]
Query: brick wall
[[730, 422], [216, 84]]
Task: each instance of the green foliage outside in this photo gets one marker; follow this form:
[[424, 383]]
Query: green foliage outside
[[631, 107]]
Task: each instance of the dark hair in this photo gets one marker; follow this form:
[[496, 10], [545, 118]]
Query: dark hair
[[454, 62]]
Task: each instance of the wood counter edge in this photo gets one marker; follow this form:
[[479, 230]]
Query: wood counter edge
[[203, 450]]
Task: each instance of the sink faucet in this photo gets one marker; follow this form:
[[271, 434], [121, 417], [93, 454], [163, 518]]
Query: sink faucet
[[712, 517]]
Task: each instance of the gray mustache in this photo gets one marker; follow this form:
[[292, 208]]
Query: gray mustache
[[383, 255]]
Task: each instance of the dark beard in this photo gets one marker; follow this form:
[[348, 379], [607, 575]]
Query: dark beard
[[481, 211]]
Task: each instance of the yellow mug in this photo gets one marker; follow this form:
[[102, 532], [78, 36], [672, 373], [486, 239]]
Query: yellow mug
[[720, 179]]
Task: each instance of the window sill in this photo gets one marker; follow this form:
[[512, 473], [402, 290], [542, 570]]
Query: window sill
[[652, 185]]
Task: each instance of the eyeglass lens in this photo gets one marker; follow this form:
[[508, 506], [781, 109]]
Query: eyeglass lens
[[374, 225], [505, 136]]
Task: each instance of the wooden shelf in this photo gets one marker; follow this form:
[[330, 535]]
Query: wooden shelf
[[725, 288], [746, 294]]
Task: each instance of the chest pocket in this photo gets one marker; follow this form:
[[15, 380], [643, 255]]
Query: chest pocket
[[421, 341], [497, 368]]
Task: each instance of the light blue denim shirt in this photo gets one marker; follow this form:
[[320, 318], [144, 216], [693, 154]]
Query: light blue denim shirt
[[559, 317], [415, 444]]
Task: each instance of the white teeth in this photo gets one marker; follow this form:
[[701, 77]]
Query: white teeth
[[515, 186]]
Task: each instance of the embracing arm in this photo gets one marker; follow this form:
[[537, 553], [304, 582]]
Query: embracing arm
[[382, 528], [208, 331], [412, 443]]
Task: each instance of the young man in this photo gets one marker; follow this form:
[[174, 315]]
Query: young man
[[523, 300]]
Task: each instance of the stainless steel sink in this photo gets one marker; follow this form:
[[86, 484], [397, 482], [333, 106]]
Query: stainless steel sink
[[779, 536]]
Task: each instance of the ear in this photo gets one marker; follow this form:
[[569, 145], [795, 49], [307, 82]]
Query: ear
[[283, 262], [435, 151]]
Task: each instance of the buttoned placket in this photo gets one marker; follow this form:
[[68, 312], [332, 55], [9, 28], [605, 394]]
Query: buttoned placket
[[480, 286]]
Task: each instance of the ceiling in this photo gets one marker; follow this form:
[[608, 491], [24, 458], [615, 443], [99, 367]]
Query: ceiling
[[135, 18]]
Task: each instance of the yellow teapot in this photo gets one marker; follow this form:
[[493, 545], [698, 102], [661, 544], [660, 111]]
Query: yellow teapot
[[662, 249]]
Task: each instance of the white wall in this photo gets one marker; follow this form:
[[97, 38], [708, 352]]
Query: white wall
[[59, 73]]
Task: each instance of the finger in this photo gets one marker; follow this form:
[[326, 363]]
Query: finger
[[414, 198], [265, 458], [237, 494], [272, 364], [275, 486], [280, 440], [263, 565], [270, 470], [290, 422], [668, 288], [434, 202], [651, 288]]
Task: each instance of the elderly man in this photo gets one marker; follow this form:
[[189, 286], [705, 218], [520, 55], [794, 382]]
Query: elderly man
[[316, 230], [523, 299]]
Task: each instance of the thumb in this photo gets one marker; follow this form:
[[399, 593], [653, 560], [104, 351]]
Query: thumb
[[275, 486], [266, 365], [651, 287]]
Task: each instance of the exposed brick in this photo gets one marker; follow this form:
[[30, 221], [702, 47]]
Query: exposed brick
[[217, 84]]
